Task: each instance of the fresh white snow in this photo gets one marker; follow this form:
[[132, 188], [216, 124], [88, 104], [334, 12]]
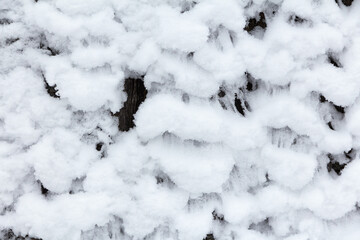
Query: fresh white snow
[[250, 127]]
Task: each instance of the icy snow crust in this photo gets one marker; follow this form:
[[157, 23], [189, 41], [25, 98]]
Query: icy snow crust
[[250, 128]]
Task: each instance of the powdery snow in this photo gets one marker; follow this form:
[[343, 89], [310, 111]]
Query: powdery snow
[[250, 127]]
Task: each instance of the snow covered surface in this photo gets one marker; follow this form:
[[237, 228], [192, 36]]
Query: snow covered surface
[[250, 128]]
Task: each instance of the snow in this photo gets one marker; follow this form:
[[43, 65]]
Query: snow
[[195, 169], [54, 152], [191, 121], [176, 32], [247, 130], [300, 167], [77, 86]]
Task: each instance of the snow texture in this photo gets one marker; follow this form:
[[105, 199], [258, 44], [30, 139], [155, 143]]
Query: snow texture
[[179, 119]]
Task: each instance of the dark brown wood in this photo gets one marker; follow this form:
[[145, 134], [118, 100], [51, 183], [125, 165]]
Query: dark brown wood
[[136, 94]]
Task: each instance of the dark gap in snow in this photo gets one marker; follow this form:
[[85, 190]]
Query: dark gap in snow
[[44, 44], [262, 227], [254, 22], [222, 105], [296, 20], [5, 21], [10, 41], [136, 94], [8, 234], [99, 146], [238, 105], [340, 109], [337, 114], [217, 216], [190, 55], [222, 97], [345, 2], [53, 51], [267, 178], [334, 60], [350, 154], [221, 92], [322, 99], [330, 126], [159, 180], [251, 84], [44, 190], [334, 165], [209, 236], [247, 106], [51, 90]]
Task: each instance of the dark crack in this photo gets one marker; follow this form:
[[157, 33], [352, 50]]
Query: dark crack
[[209, 236], [136, 94], [345, 2], [334, 165], [8, 234], [10, 41], [238, 105], [217, 216], [334, 61], [5, 21], [258, 21], [51, 90]]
